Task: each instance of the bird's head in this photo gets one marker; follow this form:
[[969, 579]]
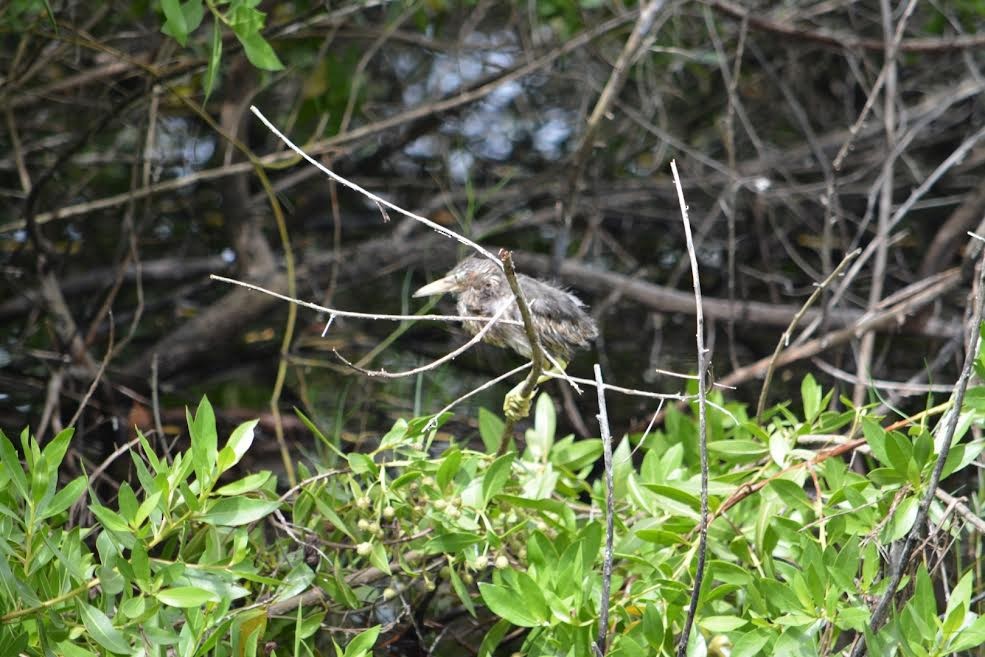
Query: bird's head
[[478, 278]]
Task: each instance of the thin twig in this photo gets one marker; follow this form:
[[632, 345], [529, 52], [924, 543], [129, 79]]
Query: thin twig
[[433, 364], [155, 401], [785, 338], [99, 373], [893, 315], [634, 392], [702, 421], [603, 418], [382, 202], [335, 312], [947, 427], [433, 422]]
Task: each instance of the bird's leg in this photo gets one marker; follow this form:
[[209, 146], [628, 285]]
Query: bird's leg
[[516, 406]]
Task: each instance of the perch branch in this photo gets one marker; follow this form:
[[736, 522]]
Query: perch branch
[[536, 352]]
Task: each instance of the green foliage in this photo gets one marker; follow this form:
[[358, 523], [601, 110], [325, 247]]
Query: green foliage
[[186, 560], [183, 18]]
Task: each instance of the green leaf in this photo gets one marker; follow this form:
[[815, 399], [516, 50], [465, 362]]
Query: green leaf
[[12, 466], [970, 637], [810, 392], [496, 477], [750, 644], [394, 437], [853, 618], [792, 494], [317, 433], [296, 581], [239, 442], [875, 436], [532, 596], [899, 451], [722, 624], [68, 649], [958, 604], [54, 452], [745, 449], [489, 643], [576, 455], [960, 456], [215, 56], [259, 52], [127, 501], [541, 437], [65, 498], [903, 519], [450, 461], [506, 604], [379, 559], [145, 508], [653, 627], [363, 643], [234, 511], [451, 542], [203, 440], [362, 463], [490, 430], [461, 591], [186, 596], [175, 25], [247, 484], [109, 518], [101, 629]]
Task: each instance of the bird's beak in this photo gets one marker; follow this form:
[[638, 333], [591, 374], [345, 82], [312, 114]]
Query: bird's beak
[[440, 286]]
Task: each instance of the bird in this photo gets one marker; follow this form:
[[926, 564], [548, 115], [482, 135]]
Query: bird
[[560, 319]]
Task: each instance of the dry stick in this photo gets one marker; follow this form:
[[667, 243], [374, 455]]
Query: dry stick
[[843, 40], [99, 373], [702, 421], [956, 156], [155, 401], [603, 418], [870, 322], [967, 514], [784, 340], [896, 573], [902, 388], [536, 352], [609, 93], [876, 88], [867, 344]]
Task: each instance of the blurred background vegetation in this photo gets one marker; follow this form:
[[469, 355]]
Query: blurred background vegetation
[[131, 169]]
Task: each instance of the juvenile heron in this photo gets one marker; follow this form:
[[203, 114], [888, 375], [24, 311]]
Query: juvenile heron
[[559, 317]]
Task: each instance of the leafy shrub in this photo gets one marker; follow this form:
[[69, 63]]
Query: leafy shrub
[[187, 561]]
